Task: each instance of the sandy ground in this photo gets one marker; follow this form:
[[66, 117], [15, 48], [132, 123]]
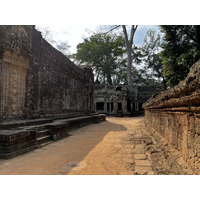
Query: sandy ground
[[104, 148]]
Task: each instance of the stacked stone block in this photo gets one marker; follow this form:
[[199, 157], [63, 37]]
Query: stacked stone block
[[43, 94], [175, 114], [39, 81]]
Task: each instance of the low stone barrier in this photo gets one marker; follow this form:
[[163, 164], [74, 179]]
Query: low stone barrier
[[175, 114], [19, 137]]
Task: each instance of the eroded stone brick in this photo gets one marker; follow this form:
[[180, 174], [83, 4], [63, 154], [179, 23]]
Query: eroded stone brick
[[179, 110], [39, 81]]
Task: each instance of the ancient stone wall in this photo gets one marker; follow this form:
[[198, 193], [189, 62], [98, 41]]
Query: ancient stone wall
[[175, 114], [39, 81], [128, 99]]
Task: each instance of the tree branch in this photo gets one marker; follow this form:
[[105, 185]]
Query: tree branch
[[126, 36], [117, 26], [133, 29]]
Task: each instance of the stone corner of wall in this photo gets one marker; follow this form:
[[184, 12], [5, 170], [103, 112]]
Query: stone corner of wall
[[174, 115], [188, 87]]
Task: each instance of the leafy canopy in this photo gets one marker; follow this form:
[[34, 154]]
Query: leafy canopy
[[181, 49], [104, 53]]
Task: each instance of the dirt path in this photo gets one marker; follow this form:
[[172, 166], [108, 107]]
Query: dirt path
[[117, 146]]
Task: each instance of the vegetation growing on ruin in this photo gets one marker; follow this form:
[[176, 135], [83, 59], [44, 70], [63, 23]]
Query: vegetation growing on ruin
[[181, 49]]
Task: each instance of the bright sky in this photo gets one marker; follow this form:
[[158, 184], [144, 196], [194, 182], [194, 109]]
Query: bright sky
[[74, 34]]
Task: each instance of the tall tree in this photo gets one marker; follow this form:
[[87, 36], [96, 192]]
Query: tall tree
[[102, 52], [129, 47], [151, 55], [181, 50]]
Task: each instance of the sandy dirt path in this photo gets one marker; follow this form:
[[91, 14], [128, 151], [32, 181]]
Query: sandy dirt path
[[105, 148]]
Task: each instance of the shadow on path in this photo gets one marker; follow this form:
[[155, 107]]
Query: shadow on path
[[61, 156]]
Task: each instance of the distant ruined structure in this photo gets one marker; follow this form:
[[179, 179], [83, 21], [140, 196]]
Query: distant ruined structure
[[122, 100], [41, 90], [175, 115]]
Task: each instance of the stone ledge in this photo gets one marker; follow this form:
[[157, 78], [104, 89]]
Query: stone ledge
[[22, 139]]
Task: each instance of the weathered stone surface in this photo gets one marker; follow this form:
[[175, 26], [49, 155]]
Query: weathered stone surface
[[122, 100], [31, 134], [36, 80], [175, 115], [140, 156], [39, 83], [143, 163]]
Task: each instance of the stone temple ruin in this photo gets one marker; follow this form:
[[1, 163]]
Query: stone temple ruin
[[122, 100], [42, 93], [175, 115]]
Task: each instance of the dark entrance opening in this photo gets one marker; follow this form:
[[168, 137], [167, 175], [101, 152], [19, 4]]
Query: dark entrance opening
[[140, 107], [100, 105], [91, 102], [128, 105], [133, 106], [119, 106], [108, 107], [119, 88], [111, 106]]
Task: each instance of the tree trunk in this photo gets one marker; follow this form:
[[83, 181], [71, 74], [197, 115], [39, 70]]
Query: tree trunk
[[129, 67], [129, 44], [109, 79]]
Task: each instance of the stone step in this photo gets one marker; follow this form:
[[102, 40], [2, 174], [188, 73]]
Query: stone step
[[44, 132], [45, 144], [15, 141], [20, 124], [43, 139]]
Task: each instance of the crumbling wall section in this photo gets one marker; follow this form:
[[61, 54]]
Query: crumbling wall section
[[175, 114], [37, 80]]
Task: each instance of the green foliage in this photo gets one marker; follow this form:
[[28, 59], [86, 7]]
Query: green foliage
[[104, 53], [108, 57], [149, 60], [151, 49], [181, 50]]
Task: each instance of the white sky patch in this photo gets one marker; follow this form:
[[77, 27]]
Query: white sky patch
[[141, 33], [144, 27], [73, 34]]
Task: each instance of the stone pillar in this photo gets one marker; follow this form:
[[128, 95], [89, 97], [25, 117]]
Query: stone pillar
[[105, 101], [136, 106], [136, 100], [131, 106], [124, 106], [105, 106], [115, 106]]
